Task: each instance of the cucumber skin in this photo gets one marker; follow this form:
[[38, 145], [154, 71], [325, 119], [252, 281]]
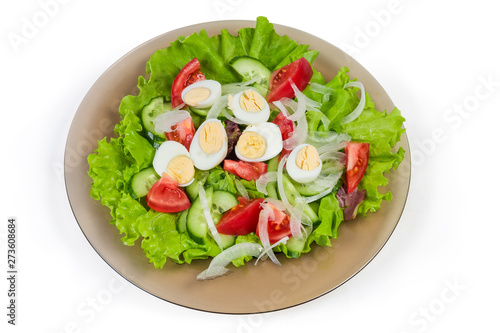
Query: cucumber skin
[[292, 194], [196, 225], [249, 68], [135, 185], [156, 107]]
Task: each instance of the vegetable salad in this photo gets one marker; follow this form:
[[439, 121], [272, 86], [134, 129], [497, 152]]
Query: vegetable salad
[[237, 148]]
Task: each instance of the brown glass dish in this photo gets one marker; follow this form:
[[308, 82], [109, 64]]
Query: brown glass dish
[[248, 289]]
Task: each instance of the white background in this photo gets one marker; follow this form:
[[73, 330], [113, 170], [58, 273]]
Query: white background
[[438, 271]]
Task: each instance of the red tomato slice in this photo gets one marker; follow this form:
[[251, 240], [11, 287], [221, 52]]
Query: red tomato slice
[[299, 72], [246, 170], [285, 125], [183, 132], [165, 196], [241, 219], [188, 75], [357, 161], [278, 228]]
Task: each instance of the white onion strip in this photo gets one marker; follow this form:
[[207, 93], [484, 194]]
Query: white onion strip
[[276, 203], [362, 101], [218, 264], [325, 121], [232, 118], [321, 89], [308, 103], [266, 215], [279, 104], [216, 109], [333, 155], [279, 180], [241, 189], [299, 135], [263, 180], [327, 137], [296, 215], [208, 216], [165, 121], [234, 88], [271, 247]]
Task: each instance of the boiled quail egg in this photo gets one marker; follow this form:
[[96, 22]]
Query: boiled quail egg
[[250, 107], [202, 94], [173, 159], [304, 164], [209, 145], [259, 142]]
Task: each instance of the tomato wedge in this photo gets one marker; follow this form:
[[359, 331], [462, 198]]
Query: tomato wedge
[[286, 127], [188, 75], [183, 132], [357, 161], [166, 197], [299, 72], [278, 228], [246, 170], [241, 219]]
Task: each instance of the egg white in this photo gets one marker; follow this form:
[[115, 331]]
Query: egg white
[[296, 173], [272, 134], [212, 85], [167, 151], [202, 160]]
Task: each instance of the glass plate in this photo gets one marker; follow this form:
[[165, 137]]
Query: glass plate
[[248, 289]]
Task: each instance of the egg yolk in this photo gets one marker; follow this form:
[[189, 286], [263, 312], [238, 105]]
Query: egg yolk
[[181, 169], [197, 95], [251, 145], [250, 101], [211, 137], [307, 158]]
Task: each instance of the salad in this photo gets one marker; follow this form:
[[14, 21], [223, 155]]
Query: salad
[[236, 148]]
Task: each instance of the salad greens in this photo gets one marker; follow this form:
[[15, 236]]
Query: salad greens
[[116, 160]]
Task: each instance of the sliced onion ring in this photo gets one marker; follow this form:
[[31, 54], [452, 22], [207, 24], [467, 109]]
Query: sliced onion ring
[[309, 104], [271, 247], [263, 180], [165, 121], [241, 189], [320, 88], [362, 101], [266, 215], [216, 109], [218, 264], [208, 216]]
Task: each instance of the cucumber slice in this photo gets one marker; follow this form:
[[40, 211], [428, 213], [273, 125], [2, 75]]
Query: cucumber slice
[[223, 201], [182, 221], [198, 111], [295, 246], [303, 189], [292, 194], [150, 112], [196, 224], [142, 181], [271, 187], [252, 69], [226, 240], [192, 189]]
